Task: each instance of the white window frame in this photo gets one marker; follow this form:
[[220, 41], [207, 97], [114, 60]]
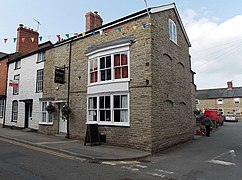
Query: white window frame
[[172, 31], [16, 80], [237, 111], [106, 52], [46, 118], [1, 108], [112, 122], [41, 57], [39, 80], [237, 100], [14, 111], [220, 101], [17, 64]]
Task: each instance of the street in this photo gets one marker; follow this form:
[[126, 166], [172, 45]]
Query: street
[[207, 158]]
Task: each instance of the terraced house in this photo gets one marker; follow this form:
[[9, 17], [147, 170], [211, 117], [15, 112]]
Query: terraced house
[[25, 80], [226, 100], [132, 76]]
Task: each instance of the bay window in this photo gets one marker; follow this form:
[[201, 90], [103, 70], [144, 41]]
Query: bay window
[[111, 67]]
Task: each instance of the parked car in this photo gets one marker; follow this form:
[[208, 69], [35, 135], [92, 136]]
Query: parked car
[[231, 118]]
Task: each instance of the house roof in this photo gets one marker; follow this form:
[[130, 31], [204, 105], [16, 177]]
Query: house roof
[[2, 55], [42, 47], [235, 92], [151, 10]]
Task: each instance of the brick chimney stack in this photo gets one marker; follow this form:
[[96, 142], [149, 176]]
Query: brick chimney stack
[[230, 84], [27, 40], [93, 20]]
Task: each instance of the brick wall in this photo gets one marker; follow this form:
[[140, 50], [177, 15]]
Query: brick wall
[[25, 44], [3, 76]]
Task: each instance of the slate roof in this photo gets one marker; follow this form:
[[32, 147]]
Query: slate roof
[[235, 92], [2, 54]]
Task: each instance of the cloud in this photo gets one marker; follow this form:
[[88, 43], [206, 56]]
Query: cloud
[[216, 49]]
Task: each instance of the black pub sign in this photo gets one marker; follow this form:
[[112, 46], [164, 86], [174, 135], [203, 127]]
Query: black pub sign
[[60, 76]]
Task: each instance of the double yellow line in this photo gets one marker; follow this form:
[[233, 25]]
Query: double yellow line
[[47, 151]]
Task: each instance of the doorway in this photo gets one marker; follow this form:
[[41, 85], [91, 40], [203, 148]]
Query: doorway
[[28, 112], [62, 121]]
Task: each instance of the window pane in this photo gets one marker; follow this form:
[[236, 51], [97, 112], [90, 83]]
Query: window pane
[[91, 66], [108, 74], [108, 61], [124, 102], [116, 115], [116, 102], [108, 115], [124, 59], [116, 60], [101, 102], [95, 65], [102, 63], [124, 116], [102, 115], [103, 75], [95, 102], [125, 72], [117, 73], [107, 101]]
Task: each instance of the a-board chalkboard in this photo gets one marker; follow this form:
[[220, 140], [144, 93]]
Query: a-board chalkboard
[[92, 134]]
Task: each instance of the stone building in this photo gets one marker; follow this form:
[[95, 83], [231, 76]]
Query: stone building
[[132, 76], [226, 100]]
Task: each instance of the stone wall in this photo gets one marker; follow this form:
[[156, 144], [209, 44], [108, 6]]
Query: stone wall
[[172, 116], [160, 93]]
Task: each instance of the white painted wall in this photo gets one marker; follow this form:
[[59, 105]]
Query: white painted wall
[[27, 90]]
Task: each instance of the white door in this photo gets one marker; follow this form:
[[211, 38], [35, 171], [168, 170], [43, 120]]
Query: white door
[[63, 121]]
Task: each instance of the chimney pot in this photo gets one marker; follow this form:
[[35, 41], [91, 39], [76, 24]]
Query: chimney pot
[[230, 84], [21, 25]]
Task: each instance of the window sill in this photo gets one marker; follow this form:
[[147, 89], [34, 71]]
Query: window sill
[[109, 124], [46, 124]]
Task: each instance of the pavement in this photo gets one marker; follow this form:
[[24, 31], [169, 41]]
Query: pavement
[[102, 152]]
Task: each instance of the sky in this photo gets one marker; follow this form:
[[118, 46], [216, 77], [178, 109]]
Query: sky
[[214, 28]]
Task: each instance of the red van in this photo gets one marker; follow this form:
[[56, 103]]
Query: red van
[[214, 115]]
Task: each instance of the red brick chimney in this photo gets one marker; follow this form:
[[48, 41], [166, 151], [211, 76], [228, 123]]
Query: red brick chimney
[[27, 40], [230, 84], [93, 20]]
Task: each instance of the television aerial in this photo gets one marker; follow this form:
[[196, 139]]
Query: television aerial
[[38, 24]]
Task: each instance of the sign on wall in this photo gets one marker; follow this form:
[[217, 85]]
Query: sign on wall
[[60, 76]]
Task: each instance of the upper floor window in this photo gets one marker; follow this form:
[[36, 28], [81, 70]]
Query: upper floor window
[[236, 100], [109, 67], [41, 57], [220, 101], [172, 31], [120, 66], [16, 84], [17, 64], [105, 68], [93, 70], [39, 80], [15, 111], [1, 108]]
